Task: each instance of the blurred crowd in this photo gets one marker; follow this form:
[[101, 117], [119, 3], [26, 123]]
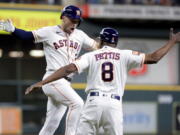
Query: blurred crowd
[[141, 2], [137, 2], [77, 2]]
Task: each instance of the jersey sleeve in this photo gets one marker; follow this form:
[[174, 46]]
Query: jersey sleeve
[[88, 43], [82, 63], [134, 59], [41, 35]]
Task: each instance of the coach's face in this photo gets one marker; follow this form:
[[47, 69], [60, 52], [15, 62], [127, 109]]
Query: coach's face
[[69, 24]]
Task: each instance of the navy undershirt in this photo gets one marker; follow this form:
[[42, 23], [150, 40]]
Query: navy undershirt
[[22, 34]]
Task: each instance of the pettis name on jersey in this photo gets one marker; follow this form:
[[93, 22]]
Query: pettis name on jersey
[[107, 55]]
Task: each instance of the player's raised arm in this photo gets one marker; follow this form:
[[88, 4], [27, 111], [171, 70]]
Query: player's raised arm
[[8, 26], [60, 73], [154, 57]]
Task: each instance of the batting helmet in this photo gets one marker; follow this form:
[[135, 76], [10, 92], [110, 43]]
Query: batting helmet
[[72, 12], [109, 35]]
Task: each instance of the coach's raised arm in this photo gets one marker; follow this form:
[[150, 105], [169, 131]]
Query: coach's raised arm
[[154, 57]]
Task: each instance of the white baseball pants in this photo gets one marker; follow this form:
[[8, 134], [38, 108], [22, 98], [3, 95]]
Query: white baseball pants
[[60, 96], [101, 112]]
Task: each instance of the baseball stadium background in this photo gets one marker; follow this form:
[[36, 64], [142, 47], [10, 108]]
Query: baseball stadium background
[[152, 96]]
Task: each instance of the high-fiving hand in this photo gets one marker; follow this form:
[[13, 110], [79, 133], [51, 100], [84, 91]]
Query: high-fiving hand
[[7, 25], [174, 36], [33, 87]]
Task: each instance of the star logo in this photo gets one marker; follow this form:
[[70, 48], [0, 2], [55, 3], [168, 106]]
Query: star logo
[[78, 12], [112, 40]]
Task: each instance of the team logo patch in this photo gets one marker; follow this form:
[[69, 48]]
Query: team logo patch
[[135, 53]]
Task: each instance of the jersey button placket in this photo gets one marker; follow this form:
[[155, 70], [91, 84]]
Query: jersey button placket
[[67, 45]]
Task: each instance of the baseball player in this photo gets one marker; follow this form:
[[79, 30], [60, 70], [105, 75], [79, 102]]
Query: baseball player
[[61, 44], [107, 73]]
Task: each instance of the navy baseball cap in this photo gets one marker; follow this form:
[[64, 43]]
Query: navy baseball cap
[[72, 12], [109, 35]]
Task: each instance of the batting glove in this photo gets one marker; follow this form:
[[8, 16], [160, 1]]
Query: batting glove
[[7, 26]]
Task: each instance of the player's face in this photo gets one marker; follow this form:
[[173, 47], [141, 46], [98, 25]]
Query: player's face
[[69, 24]]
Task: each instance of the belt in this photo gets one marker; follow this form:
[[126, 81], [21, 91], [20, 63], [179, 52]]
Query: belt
[[113, 96], [67, 78]]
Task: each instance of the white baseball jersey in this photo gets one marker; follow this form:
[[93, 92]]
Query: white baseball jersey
[[108, 67], [61, 49]]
